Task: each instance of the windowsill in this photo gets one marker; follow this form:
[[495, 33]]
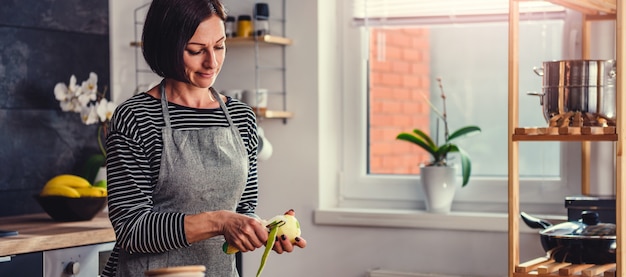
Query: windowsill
[[419, 219]]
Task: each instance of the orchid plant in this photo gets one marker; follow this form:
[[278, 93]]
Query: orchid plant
[[439, 152], [86, 100]]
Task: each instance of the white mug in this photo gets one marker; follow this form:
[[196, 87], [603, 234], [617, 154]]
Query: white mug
[[265, 147], [257, 99]]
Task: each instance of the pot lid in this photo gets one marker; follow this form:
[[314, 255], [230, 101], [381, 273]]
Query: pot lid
[[589, 226], [590, 202]]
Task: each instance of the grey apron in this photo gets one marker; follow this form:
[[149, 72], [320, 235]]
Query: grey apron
[[201, 170]]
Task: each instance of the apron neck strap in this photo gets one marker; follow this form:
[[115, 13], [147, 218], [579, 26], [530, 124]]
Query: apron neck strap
[[166, 112], [222, 105]]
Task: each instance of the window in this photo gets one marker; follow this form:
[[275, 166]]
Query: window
[[397, 62]]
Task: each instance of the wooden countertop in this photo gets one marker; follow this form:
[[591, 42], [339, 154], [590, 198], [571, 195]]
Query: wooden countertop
[[38, 232]]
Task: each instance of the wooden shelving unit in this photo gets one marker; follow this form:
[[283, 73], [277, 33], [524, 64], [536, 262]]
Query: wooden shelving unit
[[544, 266]]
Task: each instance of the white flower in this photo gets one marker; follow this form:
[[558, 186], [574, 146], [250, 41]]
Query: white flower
[[67, 95], [89, 90], [90, 85], [89, 115], [83, 99], [86, 100], [105, 109]]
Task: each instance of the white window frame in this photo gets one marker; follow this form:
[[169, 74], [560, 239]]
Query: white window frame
[[357, 189]]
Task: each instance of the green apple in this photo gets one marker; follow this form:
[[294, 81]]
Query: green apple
[[101, 184]]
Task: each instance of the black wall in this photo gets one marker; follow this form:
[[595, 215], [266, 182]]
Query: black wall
[[43, 43]]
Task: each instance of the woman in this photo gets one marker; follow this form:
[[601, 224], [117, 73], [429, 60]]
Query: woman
[[181, 158]]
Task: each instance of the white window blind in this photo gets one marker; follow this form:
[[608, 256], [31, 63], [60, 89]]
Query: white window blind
[[415, 12]]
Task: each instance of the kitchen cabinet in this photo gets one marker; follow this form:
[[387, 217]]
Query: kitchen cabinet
[[44, 247], [30, 264], [591, 10]]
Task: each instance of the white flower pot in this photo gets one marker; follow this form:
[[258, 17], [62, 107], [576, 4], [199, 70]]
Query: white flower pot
[[439, 184], [101, 175]]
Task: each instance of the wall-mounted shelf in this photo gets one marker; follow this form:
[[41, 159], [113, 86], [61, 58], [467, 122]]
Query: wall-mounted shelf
[[274, 114], [269, 39], [246, 41], [261, 66], [252, 42]]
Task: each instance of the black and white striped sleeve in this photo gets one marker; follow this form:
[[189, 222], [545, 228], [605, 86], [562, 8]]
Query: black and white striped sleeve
[[130, 181]]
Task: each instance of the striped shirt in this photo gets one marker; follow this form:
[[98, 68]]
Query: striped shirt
[[134, 147]]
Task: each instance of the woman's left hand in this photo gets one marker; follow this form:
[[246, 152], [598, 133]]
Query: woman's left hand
[[284, 244]]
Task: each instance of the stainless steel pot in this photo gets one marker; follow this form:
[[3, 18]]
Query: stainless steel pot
[[586, 86], [597, 103], [576, 73]]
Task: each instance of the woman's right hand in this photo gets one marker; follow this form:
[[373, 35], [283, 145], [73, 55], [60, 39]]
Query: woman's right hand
[[240, 231], [243, 232]]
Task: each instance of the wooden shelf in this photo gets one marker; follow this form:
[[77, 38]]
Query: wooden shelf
[[269, 39], [274, 114], [565, 134], [609, 137], [591, 7], [544, 266], [265, 39]]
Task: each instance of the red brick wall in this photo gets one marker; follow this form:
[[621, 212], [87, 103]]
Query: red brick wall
[[397, 80]]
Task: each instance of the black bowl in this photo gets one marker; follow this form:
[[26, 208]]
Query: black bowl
[[71, 209]]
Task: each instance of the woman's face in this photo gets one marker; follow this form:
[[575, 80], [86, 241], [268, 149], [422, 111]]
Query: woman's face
[[205, 52]]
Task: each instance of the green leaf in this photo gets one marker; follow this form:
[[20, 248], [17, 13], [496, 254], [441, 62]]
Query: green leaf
[[465, 131], [426, 138], [466, 166], [419, 141]]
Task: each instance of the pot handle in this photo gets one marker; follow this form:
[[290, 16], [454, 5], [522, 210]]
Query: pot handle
[[534, 222], [538, 70], [540, 94]]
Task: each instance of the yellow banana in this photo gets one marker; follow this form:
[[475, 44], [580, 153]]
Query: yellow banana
[[60, 191], [68, 180], [92, 192]]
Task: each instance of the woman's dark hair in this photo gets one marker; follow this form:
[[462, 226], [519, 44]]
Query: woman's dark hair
[[169, 26]]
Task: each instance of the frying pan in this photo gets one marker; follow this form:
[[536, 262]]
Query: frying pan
[[586, 241]]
